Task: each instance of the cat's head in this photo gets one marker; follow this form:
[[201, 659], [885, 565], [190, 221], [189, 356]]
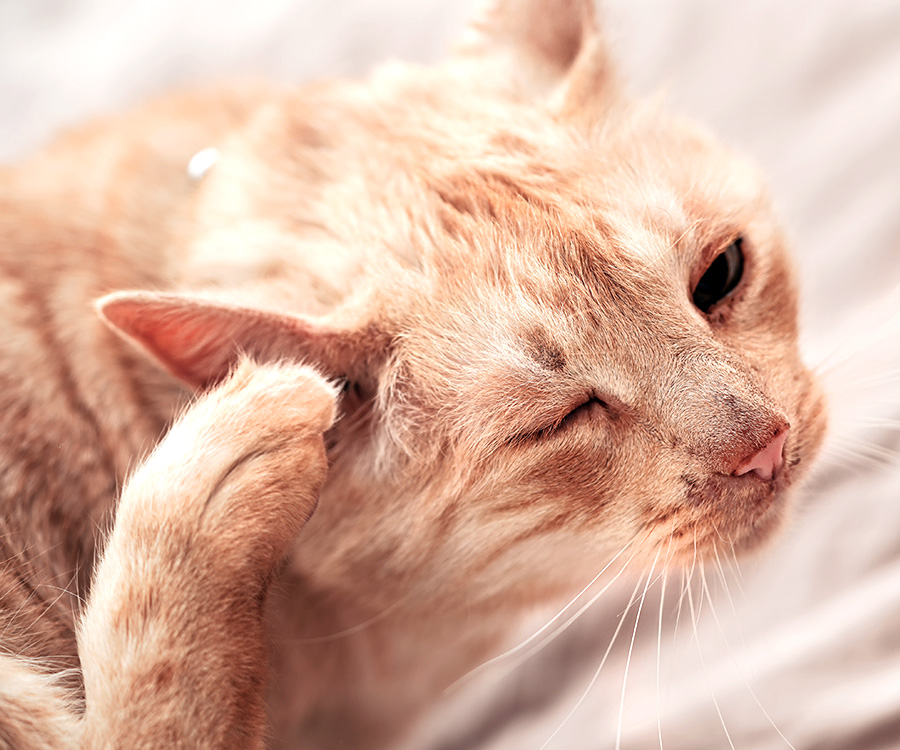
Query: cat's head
[[566, 319]]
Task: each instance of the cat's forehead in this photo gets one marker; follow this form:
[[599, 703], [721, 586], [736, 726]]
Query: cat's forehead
[[516, 216], [623, 204], [526, 261], [565, 261], [406, 152], [642, 181]]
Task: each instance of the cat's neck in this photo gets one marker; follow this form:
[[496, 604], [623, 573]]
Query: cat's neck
[[376, 670], [378, 639]]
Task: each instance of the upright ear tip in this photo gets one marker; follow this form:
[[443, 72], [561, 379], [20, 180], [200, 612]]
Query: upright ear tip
[[547, 39]]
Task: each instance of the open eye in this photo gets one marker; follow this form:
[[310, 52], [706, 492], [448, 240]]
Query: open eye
[[722, 276]]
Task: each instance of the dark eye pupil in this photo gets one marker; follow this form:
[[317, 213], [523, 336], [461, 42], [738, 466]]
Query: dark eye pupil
[[722, 276]]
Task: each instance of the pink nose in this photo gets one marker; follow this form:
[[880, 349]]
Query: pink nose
[[766, 462]]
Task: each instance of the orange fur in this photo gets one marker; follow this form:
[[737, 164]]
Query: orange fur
[[473, 250]]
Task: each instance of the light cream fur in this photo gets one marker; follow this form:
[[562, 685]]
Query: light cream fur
[[472, 251]]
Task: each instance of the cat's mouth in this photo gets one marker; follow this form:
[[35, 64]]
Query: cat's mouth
[[740, 511], [721, 513]]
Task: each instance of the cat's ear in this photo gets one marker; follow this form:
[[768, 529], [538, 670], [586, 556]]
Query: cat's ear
[[199, 340], [552, 47]]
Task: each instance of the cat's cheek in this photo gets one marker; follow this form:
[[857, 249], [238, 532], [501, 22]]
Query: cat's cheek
[[576, 482], [812, 419]]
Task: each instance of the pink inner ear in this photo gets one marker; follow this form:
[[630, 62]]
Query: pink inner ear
[[199, 341]]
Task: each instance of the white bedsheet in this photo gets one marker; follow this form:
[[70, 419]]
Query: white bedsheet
[[811, 88]]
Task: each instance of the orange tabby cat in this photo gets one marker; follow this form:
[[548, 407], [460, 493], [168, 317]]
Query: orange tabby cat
[[563, 321]]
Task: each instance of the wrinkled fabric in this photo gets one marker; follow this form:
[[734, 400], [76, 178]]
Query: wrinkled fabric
[[807, 641]]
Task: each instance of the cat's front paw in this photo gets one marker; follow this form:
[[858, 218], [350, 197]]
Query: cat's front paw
[[239, 472], [275, 400]]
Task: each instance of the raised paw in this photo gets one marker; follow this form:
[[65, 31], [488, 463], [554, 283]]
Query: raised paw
[[240, 470], [172, 643]]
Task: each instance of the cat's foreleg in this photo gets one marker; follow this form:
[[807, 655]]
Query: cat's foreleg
[[172, 642]]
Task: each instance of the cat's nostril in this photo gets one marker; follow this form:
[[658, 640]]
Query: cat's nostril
[[766, 462]]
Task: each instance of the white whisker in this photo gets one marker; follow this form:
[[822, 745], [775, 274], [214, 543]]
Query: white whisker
[[637, 620], [866, 449], [684, 588], [746, 649], [662, 600], [530, 639], [599, 668], [694, 617], [861, 335], [879, 422], [721, 568], [674, 244], [354, 629], [887, 377], [737, 567]]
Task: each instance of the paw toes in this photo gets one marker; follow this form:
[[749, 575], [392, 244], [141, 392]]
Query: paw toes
[[279, 396]]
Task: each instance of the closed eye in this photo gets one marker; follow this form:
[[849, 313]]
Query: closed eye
[[583, 411], [588, 410]]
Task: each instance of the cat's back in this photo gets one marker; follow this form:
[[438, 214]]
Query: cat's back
[[126, 173], [66, 393], [98, 210], [101, 209]]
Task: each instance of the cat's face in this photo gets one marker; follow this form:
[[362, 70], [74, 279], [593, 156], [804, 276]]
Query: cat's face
[[515, 277], [555, 385], [560, 363]]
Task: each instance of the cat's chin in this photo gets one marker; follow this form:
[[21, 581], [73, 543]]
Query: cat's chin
[[763, 531], [755, 524]]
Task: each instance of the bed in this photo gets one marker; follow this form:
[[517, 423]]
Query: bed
[[802, 647]]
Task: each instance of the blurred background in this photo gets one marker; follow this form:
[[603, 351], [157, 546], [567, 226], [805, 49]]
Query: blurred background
[[803, 649]]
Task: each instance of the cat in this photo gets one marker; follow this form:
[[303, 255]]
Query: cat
[[458, 336]]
